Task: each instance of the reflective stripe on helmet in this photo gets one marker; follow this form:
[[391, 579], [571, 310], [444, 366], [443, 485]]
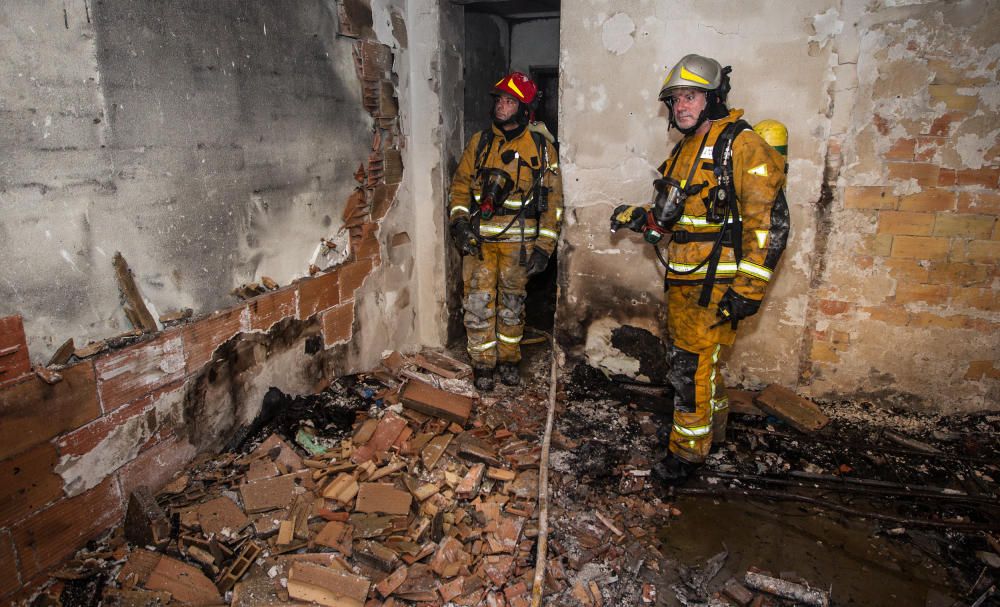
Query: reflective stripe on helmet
[[753, 270], [688, 75]]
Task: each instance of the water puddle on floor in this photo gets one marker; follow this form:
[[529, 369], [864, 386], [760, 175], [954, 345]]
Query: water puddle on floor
[[825, 550]]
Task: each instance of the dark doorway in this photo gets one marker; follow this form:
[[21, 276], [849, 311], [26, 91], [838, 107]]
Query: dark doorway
[[547, 79], [501, 36]]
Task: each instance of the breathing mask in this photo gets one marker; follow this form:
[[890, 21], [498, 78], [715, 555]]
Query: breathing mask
[[497, 185]]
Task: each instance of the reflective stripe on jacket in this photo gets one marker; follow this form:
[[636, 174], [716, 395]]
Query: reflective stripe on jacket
[[465, 188], [758, 176]]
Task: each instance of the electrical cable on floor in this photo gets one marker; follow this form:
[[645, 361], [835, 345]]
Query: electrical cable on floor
[[541, 558]]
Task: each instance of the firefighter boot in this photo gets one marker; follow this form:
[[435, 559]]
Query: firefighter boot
[[482, 377], [510, 375], [673, 470]]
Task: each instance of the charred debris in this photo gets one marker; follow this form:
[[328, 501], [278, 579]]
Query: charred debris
[[403, 486]]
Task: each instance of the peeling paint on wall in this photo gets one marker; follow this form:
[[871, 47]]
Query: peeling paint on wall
[[617, 33]]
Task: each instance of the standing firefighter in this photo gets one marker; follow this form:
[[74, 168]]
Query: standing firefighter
[[505, 209], [720, 204]]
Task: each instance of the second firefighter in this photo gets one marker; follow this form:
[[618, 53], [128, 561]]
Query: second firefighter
[[505, 209]]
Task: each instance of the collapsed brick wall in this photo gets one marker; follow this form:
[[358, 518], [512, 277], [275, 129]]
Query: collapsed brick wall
[[72, 451]]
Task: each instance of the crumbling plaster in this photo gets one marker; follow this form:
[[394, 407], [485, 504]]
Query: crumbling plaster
[[211, 145]]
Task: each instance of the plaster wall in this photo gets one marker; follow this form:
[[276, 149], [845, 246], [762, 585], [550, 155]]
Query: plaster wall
[[852, 81], [212, 144], [534, 44]]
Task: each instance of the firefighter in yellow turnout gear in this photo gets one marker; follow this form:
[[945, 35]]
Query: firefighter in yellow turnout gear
[[505, 209], [721, 203]]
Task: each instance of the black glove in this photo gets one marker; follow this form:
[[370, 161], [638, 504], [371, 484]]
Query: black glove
[[465, 237], [633, 218], [537, 262], [733, 307]]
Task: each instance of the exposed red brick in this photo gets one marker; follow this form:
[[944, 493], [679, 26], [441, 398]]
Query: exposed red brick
[[318, 294], [987, 177], [948, 178], [932, 294], [974, 227], [978, 369], [920, 247], [367, 247], [155, 466], [943, 125], [984, 203], [352, 275], [831, 307], [927, 147], [930, 200], [84, 439], [902, 149], [9, 579], [382, 199], [869, 197], [959, 274], [203, 337], [889, 314], [982, 299], [34, 411], [136, 371], [984, 251], [910, 271], [926, 320], [924, 173], [338, 323], [47, 538], [14, 360], [272, 307], [905, 222], [27, 483]]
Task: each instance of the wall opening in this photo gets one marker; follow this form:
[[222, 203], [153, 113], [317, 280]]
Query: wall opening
[[501, 37]]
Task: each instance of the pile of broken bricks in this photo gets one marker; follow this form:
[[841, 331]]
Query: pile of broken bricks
[[425, 501]]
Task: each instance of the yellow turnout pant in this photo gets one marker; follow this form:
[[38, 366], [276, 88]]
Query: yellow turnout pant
[[494, 303], [701, 406]]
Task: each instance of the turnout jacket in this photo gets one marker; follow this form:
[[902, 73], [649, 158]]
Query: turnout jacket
[[525, 164], [758, 179]]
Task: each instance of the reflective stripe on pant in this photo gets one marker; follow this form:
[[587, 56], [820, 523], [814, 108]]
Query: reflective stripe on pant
[[700, 403], [494, 303]]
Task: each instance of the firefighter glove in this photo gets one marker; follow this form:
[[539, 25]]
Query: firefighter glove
[[537, 262], [626, 216], [465, 237], [733, 307]]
